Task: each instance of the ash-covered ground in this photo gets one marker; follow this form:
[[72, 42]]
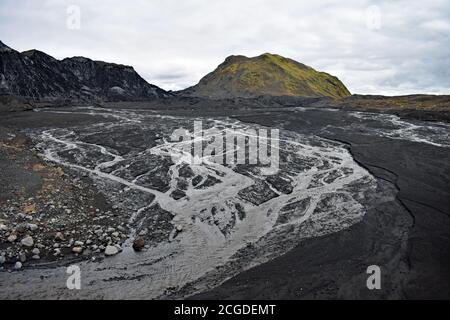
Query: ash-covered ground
[[107, 189]]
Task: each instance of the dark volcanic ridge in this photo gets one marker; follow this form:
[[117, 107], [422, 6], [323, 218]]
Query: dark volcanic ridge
[[36, 75]]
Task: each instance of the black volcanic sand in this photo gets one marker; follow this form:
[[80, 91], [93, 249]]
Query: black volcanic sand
[[439, 107], [409, 237], [334, 266]]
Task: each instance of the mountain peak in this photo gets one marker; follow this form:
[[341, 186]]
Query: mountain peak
[[267, 74], [4, 47], [270, 55], [78, 59], [33, 53], [234, 58]]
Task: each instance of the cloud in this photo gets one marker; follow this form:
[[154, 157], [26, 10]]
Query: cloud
[[437, 25], [389, 47]]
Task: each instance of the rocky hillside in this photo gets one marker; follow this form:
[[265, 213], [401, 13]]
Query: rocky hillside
[[10, 103], [40, 77], [267, 74]]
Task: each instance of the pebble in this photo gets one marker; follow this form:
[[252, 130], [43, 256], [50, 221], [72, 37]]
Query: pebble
[[35, 257], [12, 238], [27, 241], [18, 265], [2, 259], [59, 236], [138, 244], [77, 250], [22, 228], [3, 227], [36, 251], [22, 257], [78, 243], [111, 250], [143, 232], [32, 227]]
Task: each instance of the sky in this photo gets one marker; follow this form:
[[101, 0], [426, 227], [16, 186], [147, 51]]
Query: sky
[[374, 47]]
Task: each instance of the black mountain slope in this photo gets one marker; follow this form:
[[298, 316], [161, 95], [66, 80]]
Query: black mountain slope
[[36, 75]]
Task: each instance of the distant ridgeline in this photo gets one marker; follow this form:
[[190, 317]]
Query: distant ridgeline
[[267, 74], [40, 77]]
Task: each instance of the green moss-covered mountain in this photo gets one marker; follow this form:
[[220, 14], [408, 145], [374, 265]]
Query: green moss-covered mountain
[[267, 74]]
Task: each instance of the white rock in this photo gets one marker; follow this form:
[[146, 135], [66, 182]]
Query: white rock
[[111, 250], [59, 236], [143, 232], [12, 238], [27, 241], [32, 226], [18, 265], [36, 251], [3, 227], [77, 250], [78, 243], [2, 259]]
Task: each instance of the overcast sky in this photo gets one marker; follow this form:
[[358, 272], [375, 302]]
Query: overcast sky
[[374, 47]]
